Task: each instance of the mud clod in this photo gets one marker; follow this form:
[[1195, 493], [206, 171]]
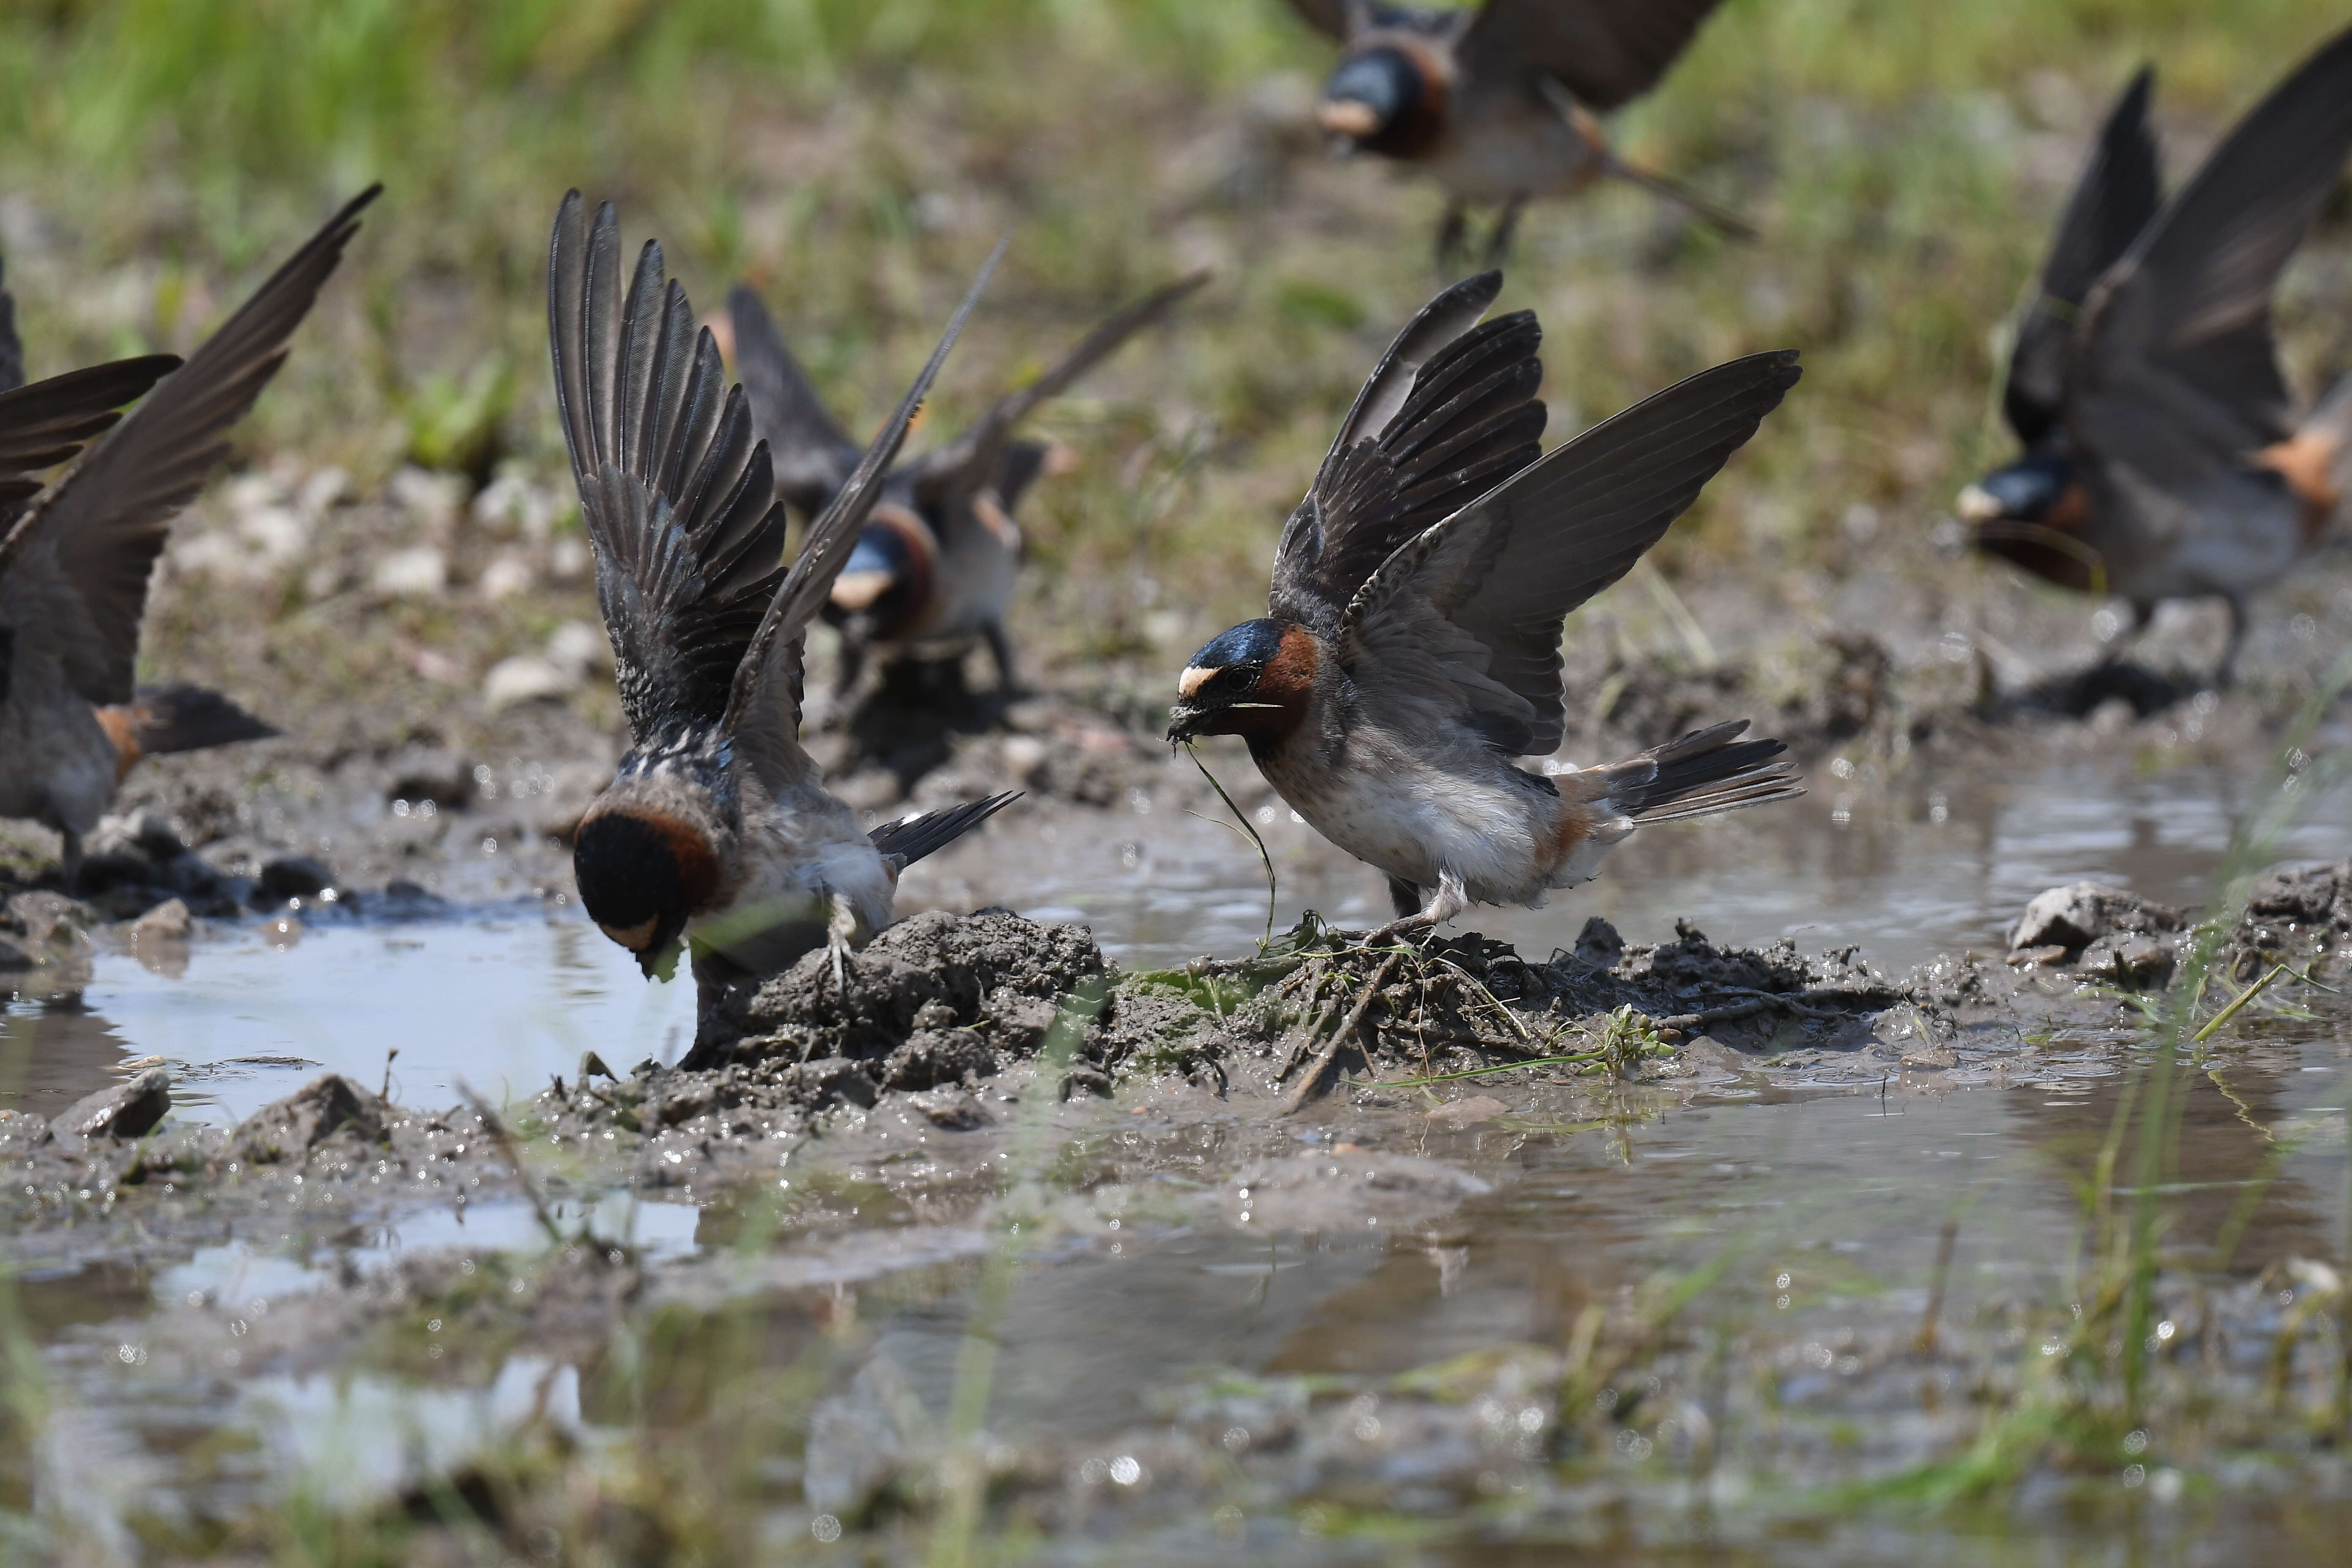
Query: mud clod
[[127, 1110], [290, 1128], [974, 988]]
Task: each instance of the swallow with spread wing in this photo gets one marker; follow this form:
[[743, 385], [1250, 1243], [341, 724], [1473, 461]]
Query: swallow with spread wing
[[1498, 103], [936, 562], [718, 829], [75, 559], [1412, 646], [2163, 456]]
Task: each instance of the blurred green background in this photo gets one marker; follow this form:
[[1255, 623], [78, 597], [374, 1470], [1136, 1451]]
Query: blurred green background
[[857, 158]]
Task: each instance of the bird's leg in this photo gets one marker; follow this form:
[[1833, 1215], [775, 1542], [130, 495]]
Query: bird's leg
[[851, 664], [1404, 897], [1453, 235], [1499, 241], [2226, 673], [840, 932], [1000, 649], [1450, 900], [69, 861]]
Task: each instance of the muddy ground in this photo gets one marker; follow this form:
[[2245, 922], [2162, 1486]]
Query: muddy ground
[[893, 1126]]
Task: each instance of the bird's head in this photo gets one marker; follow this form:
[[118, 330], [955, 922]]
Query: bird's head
[[1379, 99], [886, 580], [643, 872], [1255, 679], [2032, 512]]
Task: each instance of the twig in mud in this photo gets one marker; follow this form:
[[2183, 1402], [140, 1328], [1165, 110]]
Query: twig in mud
[[1248, 827], [386, 1096], [1732, 1012], [495, 1125], [1321, 1068]]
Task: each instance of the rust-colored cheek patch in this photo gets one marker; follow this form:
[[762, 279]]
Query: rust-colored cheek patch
[[2067, 514], [2307, 461], [122, 729], [1289, 675]]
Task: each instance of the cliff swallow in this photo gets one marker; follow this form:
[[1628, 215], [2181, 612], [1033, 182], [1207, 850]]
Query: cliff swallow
[[1497, 104], [717, 829], [936, 562], [75, 563], [1411, 649], [2163, 458]]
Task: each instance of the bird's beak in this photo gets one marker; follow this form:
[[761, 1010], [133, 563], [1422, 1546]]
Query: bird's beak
[[1183, 720], [1978, 505]]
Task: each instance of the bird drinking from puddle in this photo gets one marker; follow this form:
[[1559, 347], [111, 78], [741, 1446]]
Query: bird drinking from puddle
[[1496, 104], [1410, 650], [2163, 459], [718, 829], [76, 559]]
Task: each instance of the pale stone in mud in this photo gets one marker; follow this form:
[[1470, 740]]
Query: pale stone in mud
[[2080, 914]]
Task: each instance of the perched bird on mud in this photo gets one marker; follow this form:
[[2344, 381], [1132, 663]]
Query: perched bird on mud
[[2163, 457], [76, 558], [1411, 649], [936, 563], [717, 829], [1497, 104]]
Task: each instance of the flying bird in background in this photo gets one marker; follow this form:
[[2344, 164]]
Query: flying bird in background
[[1411, 648], [1498, 104], [75, 559], [2164, 459]]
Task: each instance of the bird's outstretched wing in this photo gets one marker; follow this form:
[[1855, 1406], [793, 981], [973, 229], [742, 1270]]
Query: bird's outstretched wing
[[763, 701], [46, 423], [679, 503], [2177, 370], [977, 459], [809, 453], [2118, 195], [1606, 52], [1449, 412], [1467, 616], [106, 521]]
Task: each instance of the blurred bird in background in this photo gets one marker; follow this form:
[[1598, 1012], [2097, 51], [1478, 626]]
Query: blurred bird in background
[[2163, 456], [1498, 104], [75, 559], [937, 561]]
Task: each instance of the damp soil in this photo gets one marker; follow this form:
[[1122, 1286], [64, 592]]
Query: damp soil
[[1739, 1225]]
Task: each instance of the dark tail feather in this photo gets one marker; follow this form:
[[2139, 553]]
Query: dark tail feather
[[166, 718], [910, 838], [1706, 772]]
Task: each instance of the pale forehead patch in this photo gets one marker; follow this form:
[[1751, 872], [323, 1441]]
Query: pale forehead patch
[[858, 589], [634, 938], [1194, 677]]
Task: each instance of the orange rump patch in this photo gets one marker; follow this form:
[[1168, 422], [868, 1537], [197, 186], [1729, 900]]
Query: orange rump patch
[[1569, 832], [122, 727], [2306, 461]]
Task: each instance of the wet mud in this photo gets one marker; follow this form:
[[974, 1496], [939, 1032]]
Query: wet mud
[[847, 1158]]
